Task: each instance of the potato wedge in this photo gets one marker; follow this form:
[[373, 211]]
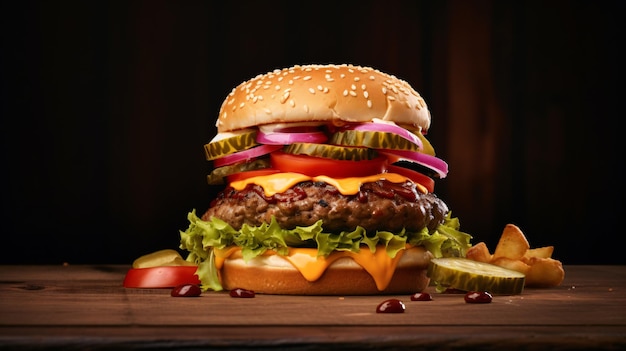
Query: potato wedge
[[479, 252], [514, 265], [513, 243], [544, 272], [513, 252], [541, 252]]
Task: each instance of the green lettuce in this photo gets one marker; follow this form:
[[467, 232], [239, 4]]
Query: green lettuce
[[202, 236]]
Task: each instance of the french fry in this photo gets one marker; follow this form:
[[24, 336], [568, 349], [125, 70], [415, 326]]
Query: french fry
[[479, 252], [544, 272], [513, 244], [509, 263]]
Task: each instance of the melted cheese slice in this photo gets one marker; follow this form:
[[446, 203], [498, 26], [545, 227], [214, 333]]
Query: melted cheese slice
[[378, 264], [279, 182]]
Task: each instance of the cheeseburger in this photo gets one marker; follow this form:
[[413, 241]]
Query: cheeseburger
[[328, 187]]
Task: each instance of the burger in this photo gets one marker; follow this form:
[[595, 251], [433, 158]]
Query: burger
[[326, 187]]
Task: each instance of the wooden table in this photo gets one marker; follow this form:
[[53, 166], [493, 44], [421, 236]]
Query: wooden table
[[86, 307]]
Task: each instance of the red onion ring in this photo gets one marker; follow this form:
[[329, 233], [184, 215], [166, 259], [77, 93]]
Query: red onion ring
[[389, 128], [245, 155], [282, 138], [431, 162]]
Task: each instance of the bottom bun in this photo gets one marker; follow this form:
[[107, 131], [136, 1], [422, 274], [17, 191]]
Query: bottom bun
[[275, 275]]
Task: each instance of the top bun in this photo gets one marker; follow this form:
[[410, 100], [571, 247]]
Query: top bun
[[336, 94]]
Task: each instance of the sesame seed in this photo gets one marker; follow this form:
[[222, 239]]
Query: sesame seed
[[342, 75], [320, 88], [277, 87], [268, 111], [307, 78], [345, 92], [363, 87], [369, 103], [311, 90], [366, 94], [408, 105], [356, 79], [353, 87], [306, 108], [372, 78], [391, 98], [352, 92], [292, 103], [241, 105], [290, 81], [284, 97], [384, 91]]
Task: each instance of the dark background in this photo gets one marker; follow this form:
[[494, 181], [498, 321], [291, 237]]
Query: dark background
[[105, 107]]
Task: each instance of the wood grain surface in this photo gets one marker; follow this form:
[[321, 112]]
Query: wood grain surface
[[86, 307]]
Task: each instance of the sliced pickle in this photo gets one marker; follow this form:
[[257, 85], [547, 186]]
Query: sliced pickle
[[166, 257], [428, 148], [469, 275], [372, 139], [230, 143], [331, 151], [217, 176]]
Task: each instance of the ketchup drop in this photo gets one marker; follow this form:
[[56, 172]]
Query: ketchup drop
[[478, 297], [241, 293], [391, 306], [421, 297], [186, 290]]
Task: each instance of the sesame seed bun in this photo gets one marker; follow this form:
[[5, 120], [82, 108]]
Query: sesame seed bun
[[336, 94]]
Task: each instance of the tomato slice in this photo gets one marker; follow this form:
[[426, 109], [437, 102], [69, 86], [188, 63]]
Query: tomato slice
[[249, 174], [161, 277], [415, 176], [315, 166]]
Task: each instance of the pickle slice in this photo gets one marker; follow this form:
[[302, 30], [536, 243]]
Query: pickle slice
[[372, 139], [166, 257], [464, 274], [331, 151], [229, 143], [217, 176]]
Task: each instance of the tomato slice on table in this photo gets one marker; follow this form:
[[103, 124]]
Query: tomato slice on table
[[315, 166], [161, 277], [415, 176]]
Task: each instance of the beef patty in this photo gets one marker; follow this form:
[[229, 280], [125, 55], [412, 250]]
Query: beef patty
[[380, 205]]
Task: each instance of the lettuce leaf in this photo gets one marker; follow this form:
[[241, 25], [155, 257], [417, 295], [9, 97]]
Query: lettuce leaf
[[202, 236]]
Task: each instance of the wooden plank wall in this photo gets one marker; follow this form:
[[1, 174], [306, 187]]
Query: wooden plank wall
[[106, 106]]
